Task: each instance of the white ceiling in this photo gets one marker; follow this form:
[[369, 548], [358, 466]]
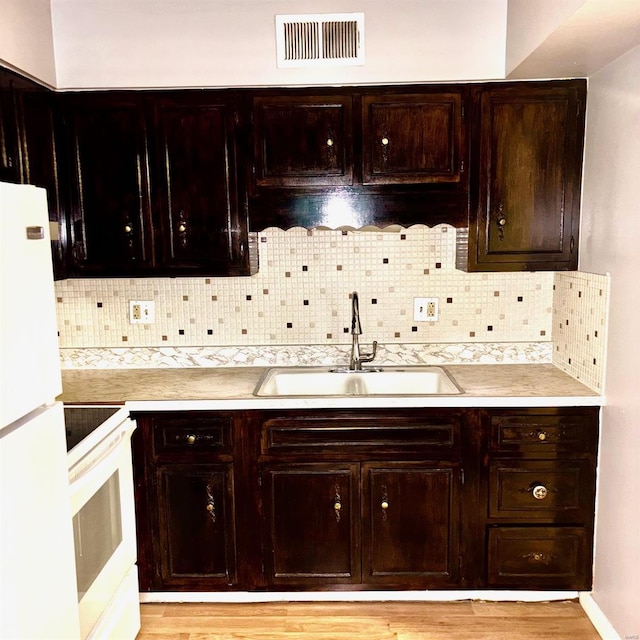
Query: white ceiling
[[597, 33]]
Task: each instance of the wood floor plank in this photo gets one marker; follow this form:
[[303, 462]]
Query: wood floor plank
[[466, 620]]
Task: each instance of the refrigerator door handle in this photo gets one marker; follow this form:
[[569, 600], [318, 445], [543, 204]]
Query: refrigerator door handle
[[35, 233]]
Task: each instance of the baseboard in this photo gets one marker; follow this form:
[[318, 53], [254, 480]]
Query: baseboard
[[358, 596], [597, 617]]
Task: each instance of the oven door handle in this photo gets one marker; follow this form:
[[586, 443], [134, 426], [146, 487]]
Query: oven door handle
[[103, 465]]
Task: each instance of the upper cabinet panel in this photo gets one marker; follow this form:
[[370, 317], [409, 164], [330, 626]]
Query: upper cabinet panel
[[109, 217], [412, 139], [302, 141], [529, 170], [195, 186]]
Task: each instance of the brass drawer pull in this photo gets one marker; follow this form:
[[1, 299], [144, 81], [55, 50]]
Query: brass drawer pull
[[538, 490], [540, 558], [190, 438], [384, 502], [337, 503], [211, 504]]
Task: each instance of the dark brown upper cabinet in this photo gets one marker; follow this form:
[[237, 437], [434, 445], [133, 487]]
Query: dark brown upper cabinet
[[412, 138], [10, 160], [200, 228], [153, 187], [303, 140], [110, 225], [529, 163], [42, 166], [358, 156]]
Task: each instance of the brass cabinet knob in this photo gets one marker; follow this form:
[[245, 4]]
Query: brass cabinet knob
[[329, 142], [539, 492], [128, 228], [502, 221], [542, 436], [209, 507], [182, 228], [384, 504], [384, 141], [191, 438], [337, 506]]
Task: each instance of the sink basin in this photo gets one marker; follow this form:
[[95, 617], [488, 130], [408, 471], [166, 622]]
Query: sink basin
[[388, 381]]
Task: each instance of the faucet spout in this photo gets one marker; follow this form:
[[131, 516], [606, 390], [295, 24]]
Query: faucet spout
[[357, 357], [356, 326]]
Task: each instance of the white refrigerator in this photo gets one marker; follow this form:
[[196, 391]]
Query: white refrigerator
[[38, 596]]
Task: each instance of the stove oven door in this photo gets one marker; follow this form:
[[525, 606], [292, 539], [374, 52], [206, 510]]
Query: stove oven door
[[102, 505]]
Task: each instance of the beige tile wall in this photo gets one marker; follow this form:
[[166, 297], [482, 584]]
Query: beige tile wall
[[301, 296], [580, 315]]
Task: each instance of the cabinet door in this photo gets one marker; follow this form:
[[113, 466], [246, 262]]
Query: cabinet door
[[42, 165], [411, 524], [312, 524], [197, 197], [412, 138], [110, 227], [197, 525], [303, 141], [529, 185], [10, 158]]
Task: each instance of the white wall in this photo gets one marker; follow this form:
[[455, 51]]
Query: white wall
[[530, 23], [610, 241], [26, 39], [193, 43]]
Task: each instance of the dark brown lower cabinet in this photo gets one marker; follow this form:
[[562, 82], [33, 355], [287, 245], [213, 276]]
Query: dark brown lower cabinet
[[369, 524], [396, 499], [410, 519], [552, 557], [313, 524], [197, 525]]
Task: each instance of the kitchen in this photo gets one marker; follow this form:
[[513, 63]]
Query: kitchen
[[605, 247]]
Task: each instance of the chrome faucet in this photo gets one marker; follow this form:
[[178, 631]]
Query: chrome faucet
[[357, 358]]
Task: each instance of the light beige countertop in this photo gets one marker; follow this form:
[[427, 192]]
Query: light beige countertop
[[200, 388]]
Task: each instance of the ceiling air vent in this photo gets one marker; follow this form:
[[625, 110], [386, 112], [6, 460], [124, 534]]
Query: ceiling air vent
[[320, 40]]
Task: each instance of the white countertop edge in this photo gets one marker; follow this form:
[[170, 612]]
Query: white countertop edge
[[382, 402], [358, 596]]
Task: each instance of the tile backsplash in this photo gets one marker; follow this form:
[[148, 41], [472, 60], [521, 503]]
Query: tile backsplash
[[301, 295], [580, 315]]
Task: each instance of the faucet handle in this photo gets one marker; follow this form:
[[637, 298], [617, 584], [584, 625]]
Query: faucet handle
[[368, 357]]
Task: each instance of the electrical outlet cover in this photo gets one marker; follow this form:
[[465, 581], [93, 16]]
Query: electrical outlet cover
[[425, 309], [142, 311]]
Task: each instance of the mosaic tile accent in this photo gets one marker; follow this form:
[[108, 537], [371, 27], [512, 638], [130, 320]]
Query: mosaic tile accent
[[580, 315], [301, 296], [312, 355]]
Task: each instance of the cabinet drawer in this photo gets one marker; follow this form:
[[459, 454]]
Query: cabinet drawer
[[180, 434], [544, 431], [560, 490], [317, 435], [540, 556]]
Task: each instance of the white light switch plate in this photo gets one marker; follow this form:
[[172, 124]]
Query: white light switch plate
[[425, 309]]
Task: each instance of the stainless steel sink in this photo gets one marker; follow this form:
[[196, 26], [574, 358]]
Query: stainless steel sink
[[384, 381]]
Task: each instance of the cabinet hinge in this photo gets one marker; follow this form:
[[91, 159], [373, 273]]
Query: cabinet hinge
[[462, 476], [259, 478], [462, 166], [462, 111], [572, 244]]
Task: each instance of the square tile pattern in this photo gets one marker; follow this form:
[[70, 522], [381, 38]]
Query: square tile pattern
[[301, 296], [579, 333]]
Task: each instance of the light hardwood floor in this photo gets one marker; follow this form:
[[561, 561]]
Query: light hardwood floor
[[468, 620]]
